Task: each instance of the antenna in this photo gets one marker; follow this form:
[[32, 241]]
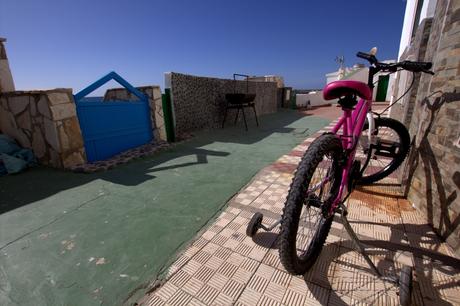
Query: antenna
[[340, 60]]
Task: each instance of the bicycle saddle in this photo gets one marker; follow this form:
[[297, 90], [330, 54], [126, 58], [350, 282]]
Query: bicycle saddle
[[337, 89]]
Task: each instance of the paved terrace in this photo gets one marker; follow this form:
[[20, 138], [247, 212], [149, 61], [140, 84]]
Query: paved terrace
[[90, 239], [225, 267]]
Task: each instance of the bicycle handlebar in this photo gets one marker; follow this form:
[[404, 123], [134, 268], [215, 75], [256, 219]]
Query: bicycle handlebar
[[406, 65], [416, 66], [369, 57]]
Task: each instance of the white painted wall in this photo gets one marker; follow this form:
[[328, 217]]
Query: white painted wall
[[427, 11], [314, 98], [331, 77], [359, 75], [6, 78]]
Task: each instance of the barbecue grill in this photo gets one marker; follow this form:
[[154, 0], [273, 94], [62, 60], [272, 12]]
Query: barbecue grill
[[239, 101]]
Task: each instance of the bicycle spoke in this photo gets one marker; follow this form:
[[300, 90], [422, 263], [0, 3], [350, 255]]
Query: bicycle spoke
[[387, 139], [311, 213]]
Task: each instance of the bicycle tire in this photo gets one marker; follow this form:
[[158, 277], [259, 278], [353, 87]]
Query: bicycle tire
[[326, 144], [402, 143]]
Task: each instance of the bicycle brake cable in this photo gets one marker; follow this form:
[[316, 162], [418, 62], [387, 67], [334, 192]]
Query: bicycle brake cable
[[405, 93]]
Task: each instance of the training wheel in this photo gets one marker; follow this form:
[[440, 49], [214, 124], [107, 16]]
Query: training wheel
[[405, 286], [254, 224]]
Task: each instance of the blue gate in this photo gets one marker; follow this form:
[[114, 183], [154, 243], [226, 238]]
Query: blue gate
[[110, 127]]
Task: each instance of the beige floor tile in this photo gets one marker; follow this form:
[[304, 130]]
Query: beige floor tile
[[225, 267]]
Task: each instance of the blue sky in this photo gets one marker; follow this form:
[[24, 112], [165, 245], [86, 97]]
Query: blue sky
[[70, 43]]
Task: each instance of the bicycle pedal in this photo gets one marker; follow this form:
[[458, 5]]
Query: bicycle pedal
[[313, 201]]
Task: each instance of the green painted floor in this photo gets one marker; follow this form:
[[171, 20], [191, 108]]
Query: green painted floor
[[90, 239]]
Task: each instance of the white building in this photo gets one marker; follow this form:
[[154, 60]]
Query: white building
[[416, 12], [6, 78], [359, 72]]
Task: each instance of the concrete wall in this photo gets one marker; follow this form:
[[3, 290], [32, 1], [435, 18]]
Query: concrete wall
[[427, 11], [404, 108], [46, 122], [155, 103], [313, 99], [6, 78], [361, 74], [199, 102], [431, 178]]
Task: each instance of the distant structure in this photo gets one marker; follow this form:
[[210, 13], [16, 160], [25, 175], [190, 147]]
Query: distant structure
[[341, 61], [269, 78], [6, 78], [343, 72], [359, 72]]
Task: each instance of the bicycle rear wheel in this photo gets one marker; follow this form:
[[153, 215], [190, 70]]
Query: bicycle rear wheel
[[306, 223], [383, 157]]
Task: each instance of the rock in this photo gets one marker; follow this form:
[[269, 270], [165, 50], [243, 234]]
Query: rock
[[55, 159], [51, 135], [73, 159], [7, 122], [63, 139], [38, 120], [43, 107], [71, 128], [22, 139], [33, 108], [38, 144], [18, 104], [4, 103], [23, 120], [58, 98], [156, 93], [28, 133], [63, 111]]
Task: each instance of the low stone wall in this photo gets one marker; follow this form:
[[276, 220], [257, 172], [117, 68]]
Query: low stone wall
[[431, 177], [199, 102], [46, 122], [155, 103]]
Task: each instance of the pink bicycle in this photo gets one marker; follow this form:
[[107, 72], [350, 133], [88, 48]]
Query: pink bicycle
[[332, 166]]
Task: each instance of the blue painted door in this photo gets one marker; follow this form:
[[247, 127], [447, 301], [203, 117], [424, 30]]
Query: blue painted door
[[110, 127]]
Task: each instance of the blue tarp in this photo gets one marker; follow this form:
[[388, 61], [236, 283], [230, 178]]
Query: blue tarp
[[13, 158]]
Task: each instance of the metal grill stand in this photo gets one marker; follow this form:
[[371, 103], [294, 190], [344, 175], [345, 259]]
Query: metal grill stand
[[239, 101]]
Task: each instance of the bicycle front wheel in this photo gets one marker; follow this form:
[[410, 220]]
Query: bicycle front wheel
[[306, 223], [380, 159]]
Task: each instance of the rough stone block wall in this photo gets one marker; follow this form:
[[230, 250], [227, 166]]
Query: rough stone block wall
[[199, 102], [46, 122], [432, 173], [155, 103], [404, 109]]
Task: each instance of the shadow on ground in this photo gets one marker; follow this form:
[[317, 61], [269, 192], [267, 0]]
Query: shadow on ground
[[102, 238], [42, 182], [353, 281]]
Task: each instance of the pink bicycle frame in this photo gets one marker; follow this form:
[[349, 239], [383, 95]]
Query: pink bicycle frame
[[351, 123]]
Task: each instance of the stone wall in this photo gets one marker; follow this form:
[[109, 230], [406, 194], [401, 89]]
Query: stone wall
[[155, 103], [199, 102], [46, 122], [431, 176]]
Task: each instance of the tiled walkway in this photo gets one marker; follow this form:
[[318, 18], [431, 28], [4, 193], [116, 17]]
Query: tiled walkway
[[225, 267]]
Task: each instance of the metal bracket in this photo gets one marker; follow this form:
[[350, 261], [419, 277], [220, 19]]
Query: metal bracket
[[269, 228], [356, 241]]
